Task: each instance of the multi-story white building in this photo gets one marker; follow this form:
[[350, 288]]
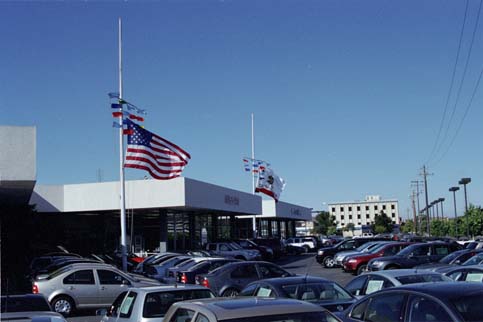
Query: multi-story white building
[[362, 213]]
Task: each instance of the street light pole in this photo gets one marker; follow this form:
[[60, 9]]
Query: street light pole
[[464, 182], [442, 213], [453, 190]]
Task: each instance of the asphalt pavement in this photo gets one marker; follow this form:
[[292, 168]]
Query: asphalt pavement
[[304, 264]]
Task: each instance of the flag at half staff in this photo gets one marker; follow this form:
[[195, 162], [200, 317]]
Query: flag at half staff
[[269, 183], [148, 151]]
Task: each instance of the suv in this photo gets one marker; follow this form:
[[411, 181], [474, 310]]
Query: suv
[[325, 255], [232, 250], [413, 255], [85, 285], [308, 243]]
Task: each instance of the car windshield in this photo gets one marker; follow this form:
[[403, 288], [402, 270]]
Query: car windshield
[[449, 258], [422, 278], [290, 317], [377, 248], [157, 303], [408, 250], [24, 304], [475, 260], [235, 246], [316, 292], [469, 306]]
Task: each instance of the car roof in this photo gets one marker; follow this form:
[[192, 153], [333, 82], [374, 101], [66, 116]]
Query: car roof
[[242, 307], [446, 290], [167, 288], [299, 279], [400, 272]]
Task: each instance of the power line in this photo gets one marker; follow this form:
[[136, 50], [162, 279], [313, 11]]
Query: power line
[[468, 56], [451, 83]]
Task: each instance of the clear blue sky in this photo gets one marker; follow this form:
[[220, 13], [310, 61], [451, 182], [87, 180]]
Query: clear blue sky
[[347, 95]]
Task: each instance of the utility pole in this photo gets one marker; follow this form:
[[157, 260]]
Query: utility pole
[[413, 202], [416, 183], [425, 174]]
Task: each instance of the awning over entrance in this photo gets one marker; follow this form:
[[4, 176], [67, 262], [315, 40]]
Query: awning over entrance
[[179, 193]]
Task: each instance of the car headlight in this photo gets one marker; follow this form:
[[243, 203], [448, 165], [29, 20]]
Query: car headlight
[[377, 264], [320, 252]]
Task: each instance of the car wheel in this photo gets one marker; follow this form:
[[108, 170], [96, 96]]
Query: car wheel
[[63, 305], [361, 269], [329, 262], [230, 292]]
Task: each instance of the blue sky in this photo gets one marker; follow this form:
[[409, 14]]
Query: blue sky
[[348, 95]]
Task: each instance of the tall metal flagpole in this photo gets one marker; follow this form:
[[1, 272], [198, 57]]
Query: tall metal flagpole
[[121, 160], [254, 220]]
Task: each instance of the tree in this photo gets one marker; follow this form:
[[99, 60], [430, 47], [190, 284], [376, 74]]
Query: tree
[[384, 221], [323, 223], [350, 227], [407, 226]]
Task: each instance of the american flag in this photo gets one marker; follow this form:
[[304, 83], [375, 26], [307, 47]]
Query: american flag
[[147, 151]]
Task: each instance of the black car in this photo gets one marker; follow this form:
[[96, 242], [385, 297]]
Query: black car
[[230, 279], [438, 302], [413, 255], [275, 244], [325, 255], [204, 267], [455, 258], [317, 290]]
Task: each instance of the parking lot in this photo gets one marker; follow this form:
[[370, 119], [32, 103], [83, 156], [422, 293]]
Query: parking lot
[[301, 264]]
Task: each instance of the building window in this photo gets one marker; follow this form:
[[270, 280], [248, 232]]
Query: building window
[[350, 216], [343, 224], [341, 209], [333, 209], [393, 222], [342, 217], [393, 215], [375, 207], [358, 216], [367, 208], [358, 208], [383, 207], [367, 216], [393, 207], [350, 208], [359, 223]]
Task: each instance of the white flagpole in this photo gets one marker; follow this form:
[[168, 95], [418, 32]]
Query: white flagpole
[[121, 160], [254, 220]]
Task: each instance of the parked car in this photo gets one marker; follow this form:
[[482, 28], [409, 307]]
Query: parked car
[[473, 273], [150, 304], [438, 302], [325, 255], [364, 248], [474, 245], [158, 271], [61, 262], [172, 272], [275, 244], [85, 285], [140, 267], [265, 251], [358, 263], [230, 279], [39, 263], [205, 267], [455, 258], [308, 243], [371, 282], [317, 290], [232, 250], [413, 255], [245, 309], [23, 308]]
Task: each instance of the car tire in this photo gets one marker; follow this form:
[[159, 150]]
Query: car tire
[[329, 262], [63, 305], [230, 292], [361, 269]]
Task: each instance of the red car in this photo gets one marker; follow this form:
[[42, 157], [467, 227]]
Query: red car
[[358, 263]]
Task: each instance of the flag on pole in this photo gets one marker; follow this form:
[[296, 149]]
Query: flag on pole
[[270, 184], [147, 151]]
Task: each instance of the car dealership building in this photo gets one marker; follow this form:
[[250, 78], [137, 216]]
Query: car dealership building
[[177, 214]]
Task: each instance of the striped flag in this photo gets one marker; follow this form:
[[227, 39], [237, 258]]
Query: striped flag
[[147, 151]]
